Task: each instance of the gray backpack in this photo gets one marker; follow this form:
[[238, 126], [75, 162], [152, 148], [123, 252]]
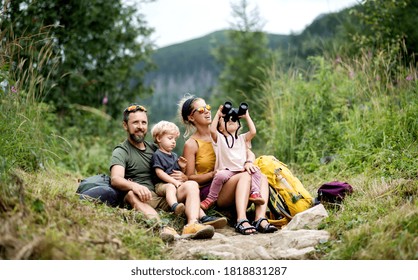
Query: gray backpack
[[99, 187], [92, 182]]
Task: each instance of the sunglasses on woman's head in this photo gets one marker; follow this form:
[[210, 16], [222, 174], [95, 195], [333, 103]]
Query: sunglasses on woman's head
[[201, 110]]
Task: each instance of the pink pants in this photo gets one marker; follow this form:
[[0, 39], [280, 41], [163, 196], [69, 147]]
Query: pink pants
[[222, 176]]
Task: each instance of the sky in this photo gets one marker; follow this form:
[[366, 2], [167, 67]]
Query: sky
[[176, 21]]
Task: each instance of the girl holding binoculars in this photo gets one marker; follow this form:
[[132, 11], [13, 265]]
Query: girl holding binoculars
[[230, 150]]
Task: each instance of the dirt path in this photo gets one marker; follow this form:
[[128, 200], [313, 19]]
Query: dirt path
[[295, 241]]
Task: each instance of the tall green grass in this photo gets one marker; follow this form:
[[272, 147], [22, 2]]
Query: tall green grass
[[353, 120], [356, 113], [28, 140]]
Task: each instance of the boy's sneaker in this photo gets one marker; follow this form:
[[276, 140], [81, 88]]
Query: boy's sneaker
[[198, 231], [216, 222], [168, 234], [207, 203], [178, 208], [256, 198]]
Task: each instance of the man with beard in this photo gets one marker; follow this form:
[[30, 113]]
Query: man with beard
[[132, 173]]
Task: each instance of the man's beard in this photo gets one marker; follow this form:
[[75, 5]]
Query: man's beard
[[137, 139]]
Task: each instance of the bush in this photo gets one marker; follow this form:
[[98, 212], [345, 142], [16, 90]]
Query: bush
[[92, 136]]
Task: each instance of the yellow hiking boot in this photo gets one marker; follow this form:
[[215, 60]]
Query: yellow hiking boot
[[198, 231]]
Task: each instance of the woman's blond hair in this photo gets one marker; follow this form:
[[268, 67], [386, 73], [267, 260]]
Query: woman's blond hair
[[187, 102]]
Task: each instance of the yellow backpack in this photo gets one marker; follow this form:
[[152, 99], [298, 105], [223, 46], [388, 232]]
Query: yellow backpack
[[287, 194]]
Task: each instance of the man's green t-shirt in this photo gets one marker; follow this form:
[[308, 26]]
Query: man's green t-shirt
[[137, 163]]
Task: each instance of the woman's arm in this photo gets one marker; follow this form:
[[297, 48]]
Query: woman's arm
[[182, 162]]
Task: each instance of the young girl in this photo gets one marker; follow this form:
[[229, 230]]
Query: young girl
[[231, 153], [165, 161]]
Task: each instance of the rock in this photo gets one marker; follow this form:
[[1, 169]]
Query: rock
[[299, 239], [283, 244], [262, 253], [308, 219], [295, 241], [295, 254]]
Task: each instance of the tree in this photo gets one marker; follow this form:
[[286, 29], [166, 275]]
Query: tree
[[243, 58], [387, 24], [99, 43]]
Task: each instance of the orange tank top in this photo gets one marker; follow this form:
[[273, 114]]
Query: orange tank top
[[205, 157]]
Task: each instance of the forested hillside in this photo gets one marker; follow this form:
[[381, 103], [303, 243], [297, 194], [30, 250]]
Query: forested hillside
[[190, 67]]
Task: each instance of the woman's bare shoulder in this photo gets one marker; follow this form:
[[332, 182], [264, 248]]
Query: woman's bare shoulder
[[191, 143]]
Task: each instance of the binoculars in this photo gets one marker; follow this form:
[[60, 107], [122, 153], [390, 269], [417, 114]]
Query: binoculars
[[233, 113]]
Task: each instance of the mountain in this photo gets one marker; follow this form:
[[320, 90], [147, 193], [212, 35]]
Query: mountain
[[189, 67]]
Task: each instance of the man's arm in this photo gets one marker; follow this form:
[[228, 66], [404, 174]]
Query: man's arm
[[117, 175]]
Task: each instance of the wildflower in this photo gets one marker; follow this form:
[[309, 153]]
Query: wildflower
[[338, 60], [105, 100], [409, 78], [351, 74], [13, 89]]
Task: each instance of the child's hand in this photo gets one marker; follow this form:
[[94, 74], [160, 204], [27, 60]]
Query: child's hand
[[250, 167], [220, 110], [245, 116], [182, 161], [221, 107]]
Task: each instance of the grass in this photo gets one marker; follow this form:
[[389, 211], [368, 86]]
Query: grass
[[48, 221], [354, 121], [378, 221], [356, 113]]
